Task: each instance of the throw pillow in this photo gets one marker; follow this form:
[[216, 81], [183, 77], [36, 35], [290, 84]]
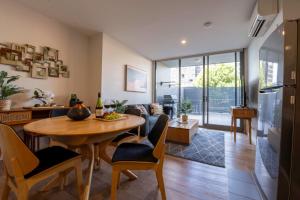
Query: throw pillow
[[142, 109], [156, 109]]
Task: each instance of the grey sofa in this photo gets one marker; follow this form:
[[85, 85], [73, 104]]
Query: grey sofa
[[150, 120]]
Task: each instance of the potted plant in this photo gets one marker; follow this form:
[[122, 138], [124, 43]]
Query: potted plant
[[7, 89], [119, 105], [185, 108]]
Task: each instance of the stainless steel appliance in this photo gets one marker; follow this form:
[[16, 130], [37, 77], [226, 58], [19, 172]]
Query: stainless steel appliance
[[277, 165]]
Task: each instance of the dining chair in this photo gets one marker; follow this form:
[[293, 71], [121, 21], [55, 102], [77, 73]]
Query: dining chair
[[137, 156], [130, 136], [24, 169]]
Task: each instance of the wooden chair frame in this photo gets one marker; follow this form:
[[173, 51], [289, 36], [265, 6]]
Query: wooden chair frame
[[158, 152], [17, 165]]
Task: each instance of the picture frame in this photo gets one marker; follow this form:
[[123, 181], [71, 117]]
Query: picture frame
[[64, 71], [53, 72], [66, 75], [135, 79], [50, 54], [39, 71]]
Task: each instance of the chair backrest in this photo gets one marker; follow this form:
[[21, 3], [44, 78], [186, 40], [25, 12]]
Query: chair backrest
[[157, 135], [16, 155], [58, 112]]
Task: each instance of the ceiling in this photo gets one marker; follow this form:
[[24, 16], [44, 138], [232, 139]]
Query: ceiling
[[154, 28]]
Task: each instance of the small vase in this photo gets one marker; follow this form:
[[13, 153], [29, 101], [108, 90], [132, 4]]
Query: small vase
[[79, 112], [184, 118], [5, 104]]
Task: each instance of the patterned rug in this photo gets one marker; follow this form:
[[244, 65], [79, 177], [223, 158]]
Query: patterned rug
[[207, 147]]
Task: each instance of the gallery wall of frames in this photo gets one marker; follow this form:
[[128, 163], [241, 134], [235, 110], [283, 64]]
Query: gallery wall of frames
[[40, 61]]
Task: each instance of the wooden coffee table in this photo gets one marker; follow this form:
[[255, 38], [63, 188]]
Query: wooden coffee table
[[182, 132]]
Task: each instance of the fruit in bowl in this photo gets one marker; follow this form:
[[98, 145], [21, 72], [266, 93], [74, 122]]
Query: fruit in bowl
[[112, 116]]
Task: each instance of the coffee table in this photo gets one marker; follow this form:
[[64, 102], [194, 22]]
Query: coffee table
[[182, 132]]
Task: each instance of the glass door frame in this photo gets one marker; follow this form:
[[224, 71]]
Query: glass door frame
[[205, 94]]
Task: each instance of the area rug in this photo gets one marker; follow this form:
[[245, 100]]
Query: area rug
[[207, 147]]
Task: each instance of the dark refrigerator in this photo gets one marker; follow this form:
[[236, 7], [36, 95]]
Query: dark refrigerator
[[277, 162]]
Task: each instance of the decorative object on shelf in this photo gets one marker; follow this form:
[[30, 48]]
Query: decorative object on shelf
[[136, 79], [7, 89], [185, 108], [79, 112], [119, 105], [73, 100], [35, 59], [45, 97]]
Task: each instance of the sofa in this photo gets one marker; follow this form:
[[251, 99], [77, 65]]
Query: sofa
[[150, 119]]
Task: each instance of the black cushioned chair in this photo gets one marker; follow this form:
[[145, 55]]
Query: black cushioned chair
[[136, 156], [24, 169], [133, 134]]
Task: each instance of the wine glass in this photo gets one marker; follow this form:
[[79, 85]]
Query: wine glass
[[106, 105]]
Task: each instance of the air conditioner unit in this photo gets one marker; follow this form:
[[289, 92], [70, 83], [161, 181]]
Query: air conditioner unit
[[262, 17]]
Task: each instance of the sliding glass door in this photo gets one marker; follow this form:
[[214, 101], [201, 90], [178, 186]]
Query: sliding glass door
[[223, 88], [212, 83]]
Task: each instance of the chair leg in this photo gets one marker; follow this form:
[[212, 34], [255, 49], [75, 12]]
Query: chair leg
[[114, 183], [22, 193], [78, 171], [160, 180], [6, 189]]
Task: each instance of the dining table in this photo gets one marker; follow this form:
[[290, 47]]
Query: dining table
[[86, 135]]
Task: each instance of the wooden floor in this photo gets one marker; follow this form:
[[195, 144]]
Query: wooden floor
[[184, 179]]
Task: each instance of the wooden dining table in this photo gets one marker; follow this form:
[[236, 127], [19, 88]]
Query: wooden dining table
[[86, 135]]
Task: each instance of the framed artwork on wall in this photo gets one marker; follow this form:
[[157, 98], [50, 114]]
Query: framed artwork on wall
[[53, 72], [39, 71], [135, 79]]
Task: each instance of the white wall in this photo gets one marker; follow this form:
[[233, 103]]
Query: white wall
[[114, 58], [20, 24], [291, 9], [95, 66]]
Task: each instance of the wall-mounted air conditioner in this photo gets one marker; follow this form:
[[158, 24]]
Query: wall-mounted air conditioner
[[262, 17]]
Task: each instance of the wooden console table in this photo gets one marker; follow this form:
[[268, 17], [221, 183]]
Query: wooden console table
[[244, 113], [18, 117]]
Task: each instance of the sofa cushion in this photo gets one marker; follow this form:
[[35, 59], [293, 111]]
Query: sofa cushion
[[152, 121], [142, 109]]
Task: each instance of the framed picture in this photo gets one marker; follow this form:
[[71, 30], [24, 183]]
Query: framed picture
[[53, 72], [37, 57], [39, 71], [66, 75], [23, 68], [135, 79], [64, 71], [50, 54]]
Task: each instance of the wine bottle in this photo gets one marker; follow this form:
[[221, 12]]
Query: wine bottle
[[99, 107]]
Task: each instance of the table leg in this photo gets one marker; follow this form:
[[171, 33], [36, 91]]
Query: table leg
[[249, 126], [103, 155], [87, 188], [234, 129]]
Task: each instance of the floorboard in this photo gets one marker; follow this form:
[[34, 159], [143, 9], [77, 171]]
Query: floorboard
[[184, 179]]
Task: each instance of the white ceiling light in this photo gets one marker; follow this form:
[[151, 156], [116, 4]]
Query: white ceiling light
[[183, 42]]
